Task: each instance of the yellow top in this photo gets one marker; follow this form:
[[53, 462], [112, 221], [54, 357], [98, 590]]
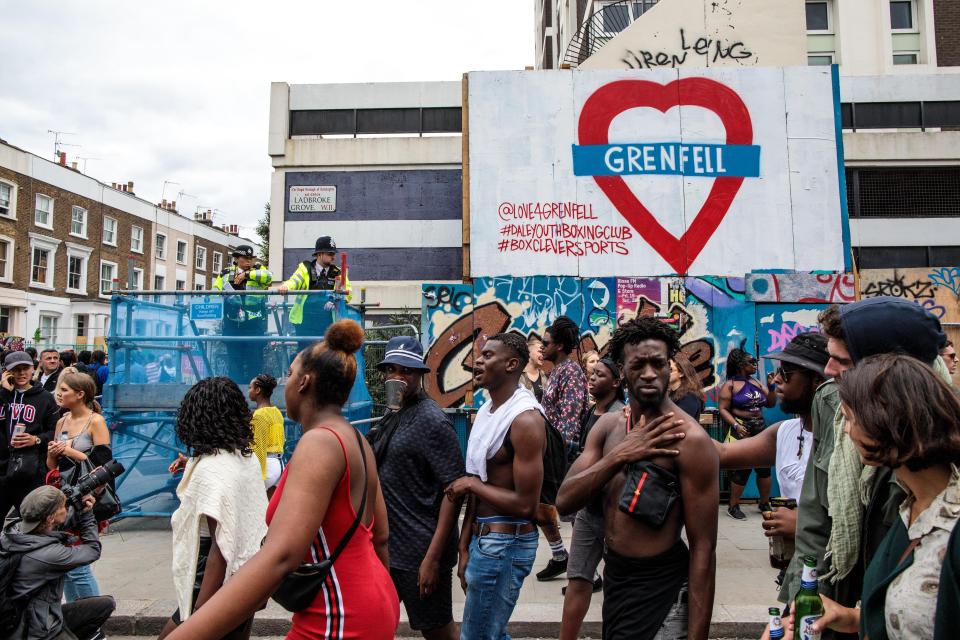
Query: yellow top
[[267, 434]]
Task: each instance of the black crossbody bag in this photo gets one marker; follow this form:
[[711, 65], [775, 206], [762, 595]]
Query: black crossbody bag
[[301, 586]]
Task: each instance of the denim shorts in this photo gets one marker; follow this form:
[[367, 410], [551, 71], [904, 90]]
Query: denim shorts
[[586, 546], [499, 563]]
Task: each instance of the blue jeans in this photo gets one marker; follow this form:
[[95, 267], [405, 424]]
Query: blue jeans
[[80, 583], [498, 564]]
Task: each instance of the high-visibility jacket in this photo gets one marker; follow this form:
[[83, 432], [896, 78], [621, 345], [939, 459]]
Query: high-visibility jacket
[[305, 278], [242, 308]]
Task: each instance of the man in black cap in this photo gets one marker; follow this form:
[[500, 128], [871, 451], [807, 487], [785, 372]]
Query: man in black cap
[[788, 443], [244, 315], [418, 456], [311, 315]]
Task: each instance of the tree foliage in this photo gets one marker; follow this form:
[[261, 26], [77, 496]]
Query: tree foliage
[[263, 232]]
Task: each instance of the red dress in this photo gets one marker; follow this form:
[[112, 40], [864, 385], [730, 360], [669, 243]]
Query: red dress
[[358, 600]]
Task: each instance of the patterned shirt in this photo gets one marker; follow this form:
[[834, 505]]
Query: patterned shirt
[[912, 595], [565, 399]]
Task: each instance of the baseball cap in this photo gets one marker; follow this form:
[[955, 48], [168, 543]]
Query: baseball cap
[[809, 350], [37, 507], [17, 358], [890, 325]]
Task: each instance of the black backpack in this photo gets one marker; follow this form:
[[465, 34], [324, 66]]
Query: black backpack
[[555, 462], [12, 609]]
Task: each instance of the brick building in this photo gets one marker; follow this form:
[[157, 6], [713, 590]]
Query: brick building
[[67, 240]]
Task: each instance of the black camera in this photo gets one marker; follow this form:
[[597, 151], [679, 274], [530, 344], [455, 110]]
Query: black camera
[[89, 483]]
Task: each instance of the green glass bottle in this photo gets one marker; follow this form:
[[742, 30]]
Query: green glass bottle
[[808, 607], [776, 624]]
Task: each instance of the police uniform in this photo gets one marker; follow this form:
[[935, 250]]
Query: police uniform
[[311, 315], [244, 316]]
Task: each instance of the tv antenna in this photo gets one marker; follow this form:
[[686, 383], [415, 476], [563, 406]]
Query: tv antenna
[[58, 142], [163, 192], [84, 171]]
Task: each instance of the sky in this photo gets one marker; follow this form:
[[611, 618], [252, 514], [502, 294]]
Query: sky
[[178, 92]]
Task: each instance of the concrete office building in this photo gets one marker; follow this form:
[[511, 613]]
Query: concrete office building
[[899, 64], [377, 167]]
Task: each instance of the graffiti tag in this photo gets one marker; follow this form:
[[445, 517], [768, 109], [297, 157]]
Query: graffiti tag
[[899, 287], [948, 277]]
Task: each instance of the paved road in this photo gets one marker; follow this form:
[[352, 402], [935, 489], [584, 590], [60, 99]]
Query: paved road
[[135, 568]]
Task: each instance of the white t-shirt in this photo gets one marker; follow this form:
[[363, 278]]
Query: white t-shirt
[[790, 465]]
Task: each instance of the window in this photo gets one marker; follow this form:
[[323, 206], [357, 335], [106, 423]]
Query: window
[[136, 279], [4, 319], [110, 231], [181, 252], [201, 258], [160, 246], [43, 215], [77, 260], [905, 58], [81, 325], [903, 15], [158, 283], [8, 200], [136, 239], [78, 222], [108, 273], [48, 329], [181, 285], [42, 253], [819, 17], [199, 286], [217, 262], [75, 269], [820, 60], [6, 259]]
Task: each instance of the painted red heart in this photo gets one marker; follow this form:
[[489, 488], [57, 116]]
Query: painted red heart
[[612, 99]]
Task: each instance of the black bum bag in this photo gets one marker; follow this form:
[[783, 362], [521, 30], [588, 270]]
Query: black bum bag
[[649, 493]]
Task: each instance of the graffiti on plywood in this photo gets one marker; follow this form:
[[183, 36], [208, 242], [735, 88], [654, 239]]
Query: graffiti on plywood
[[801, 287]]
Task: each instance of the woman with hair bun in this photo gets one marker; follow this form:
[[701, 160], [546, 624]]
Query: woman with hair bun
[[316, 501], [268, 436]]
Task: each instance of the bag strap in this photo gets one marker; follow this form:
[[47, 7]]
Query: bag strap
[[363, 504], [910, 547]]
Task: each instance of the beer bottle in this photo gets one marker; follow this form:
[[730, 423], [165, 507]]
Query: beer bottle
[[808, 607], [776, 624]]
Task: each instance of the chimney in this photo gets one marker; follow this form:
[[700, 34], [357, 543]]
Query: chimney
[[63, 158], [130, 186], [73, 165]]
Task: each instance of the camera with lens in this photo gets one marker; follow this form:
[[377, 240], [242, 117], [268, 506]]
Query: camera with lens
[[89, 483]]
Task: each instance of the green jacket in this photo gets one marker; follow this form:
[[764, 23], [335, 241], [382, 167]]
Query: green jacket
[[813, 515], [304, 279], [885, 566], [242, 308]]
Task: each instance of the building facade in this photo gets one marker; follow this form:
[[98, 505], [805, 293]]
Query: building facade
[[68, 240], [376, 167], [899, 63]]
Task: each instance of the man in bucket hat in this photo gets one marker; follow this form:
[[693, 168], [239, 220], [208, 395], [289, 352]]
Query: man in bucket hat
[[418, 455], [311, 315]]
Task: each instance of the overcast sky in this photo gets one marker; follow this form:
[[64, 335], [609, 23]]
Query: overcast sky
[[179, 91]]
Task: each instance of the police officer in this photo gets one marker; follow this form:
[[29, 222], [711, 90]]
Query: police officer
[[311, 315], [244, 315]]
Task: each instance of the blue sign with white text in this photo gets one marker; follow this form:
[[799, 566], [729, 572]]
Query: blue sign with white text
[[667, 158], [206, 309]]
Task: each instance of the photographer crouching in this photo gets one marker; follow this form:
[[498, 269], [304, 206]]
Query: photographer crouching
[[35, 579]]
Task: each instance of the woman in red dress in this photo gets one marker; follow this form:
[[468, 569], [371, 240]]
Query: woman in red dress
[[312, 508]]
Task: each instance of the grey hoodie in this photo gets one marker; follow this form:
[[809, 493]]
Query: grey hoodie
[[46, 559]]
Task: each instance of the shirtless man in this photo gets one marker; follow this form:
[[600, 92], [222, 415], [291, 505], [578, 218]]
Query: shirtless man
[[498, 542], [650, 579]]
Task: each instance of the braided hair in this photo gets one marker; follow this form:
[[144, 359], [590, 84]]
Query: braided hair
[[214, 416], [736, 361], [565, 333], [265, 384]]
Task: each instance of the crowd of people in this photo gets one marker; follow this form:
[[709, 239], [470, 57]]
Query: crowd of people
[[350, 528]]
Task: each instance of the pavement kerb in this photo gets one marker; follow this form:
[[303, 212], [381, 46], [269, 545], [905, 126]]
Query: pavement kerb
[[147, 618]]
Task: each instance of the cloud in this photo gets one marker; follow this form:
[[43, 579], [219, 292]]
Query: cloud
[[179, 91]]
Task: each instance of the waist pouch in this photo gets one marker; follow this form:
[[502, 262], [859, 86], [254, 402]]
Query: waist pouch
[[649, 493]]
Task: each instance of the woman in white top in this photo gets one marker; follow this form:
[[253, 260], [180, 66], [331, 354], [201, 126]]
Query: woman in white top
[[221, 521]]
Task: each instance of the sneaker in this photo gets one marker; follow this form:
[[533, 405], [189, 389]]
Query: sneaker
[[764, 506], [736, 513], [552, 570], [597, 586], [99, 635]]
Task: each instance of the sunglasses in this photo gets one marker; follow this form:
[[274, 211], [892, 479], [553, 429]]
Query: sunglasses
[[785, 374]]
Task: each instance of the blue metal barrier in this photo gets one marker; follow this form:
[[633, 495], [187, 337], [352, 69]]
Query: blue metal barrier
[[161, 343]]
